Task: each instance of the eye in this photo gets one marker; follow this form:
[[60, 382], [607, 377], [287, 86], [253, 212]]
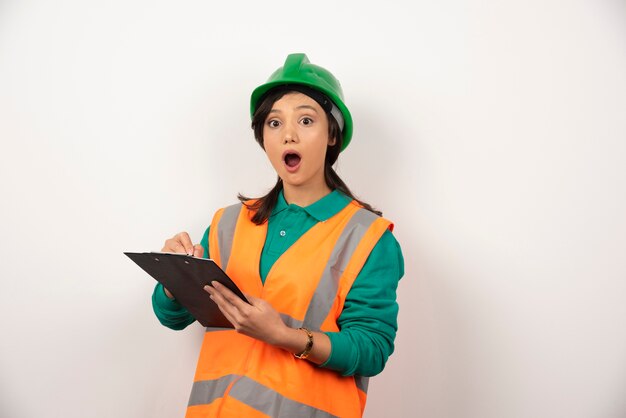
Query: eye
[[306, 121], [273, 123]]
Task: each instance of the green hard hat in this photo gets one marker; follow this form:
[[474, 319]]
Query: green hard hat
[[297, 70]]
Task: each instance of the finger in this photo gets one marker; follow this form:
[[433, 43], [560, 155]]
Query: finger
[[209, 289], [168, 293], [227, 294], [229, 311], [230, 319], [198, 251], [184, 239], [254, 301], [173, 245], [250, 298], [236, 308], [217, 296]]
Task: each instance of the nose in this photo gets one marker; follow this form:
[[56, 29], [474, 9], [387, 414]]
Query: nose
[[290, 134]]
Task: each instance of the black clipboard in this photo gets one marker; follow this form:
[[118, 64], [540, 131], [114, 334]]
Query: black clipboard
[[185, 277]]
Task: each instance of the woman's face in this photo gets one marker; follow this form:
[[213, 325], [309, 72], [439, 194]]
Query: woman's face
[[295, 138]]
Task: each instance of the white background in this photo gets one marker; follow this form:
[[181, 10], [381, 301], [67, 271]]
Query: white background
[[492, 132]]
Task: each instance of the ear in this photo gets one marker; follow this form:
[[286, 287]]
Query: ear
[[332, 141]]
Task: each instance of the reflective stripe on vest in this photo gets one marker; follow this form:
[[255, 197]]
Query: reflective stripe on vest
[[362, 382], [206, 391], [226, 232], [346, 241], [324, 295], [253, 394]]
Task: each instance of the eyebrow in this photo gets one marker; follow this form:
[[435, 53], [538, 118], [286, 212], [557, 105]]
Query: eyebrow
[[298, 107]]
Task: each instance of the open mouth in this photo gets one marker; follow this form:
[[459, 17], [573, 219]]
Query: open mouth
[[291, 159]]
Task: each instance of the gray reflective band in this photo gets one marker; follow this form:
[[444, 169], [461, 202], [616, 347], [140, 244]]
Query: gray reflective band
[[290, 321], [204, 392], [338, 116], [271, 402], [253, 394], [226, 232], [326, 291], [362, 382]]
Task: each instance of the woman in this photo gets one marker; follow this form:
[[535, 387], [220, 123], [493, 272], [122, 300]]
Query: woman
[[319, 267]]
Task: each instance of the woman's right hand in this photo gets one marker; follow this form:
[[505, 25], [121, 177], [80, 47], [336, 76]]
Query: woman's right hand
[[181, 244]]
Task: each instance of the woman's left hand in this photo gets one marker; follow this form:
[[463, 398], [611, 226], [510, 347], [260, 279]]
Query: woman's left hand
[[257, 320]]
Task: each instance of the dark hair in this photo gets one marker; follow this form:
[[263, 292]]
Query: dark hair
[[264, 205]]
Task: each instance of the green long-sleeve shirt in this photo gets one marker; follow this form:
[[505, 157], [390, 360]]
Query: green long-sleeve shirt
[[368, 322]]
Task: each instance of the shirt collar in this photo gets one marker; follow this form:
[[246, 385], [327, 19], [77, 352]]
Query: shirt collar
[[325, 208], [281, 204]]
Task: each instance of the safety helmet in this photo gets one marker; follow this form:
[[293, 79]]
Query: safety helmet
[[298, 71]]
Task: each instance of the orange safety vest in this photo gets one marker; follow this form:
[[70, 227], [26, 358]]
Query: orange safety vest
[[239, 376]]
